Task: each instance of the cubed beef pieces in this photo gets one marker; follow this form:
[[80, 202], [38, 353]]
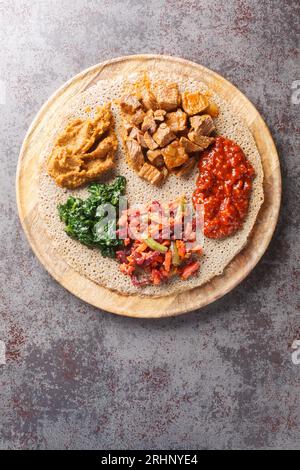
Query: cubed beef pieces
[[174, 155], [129, 103], [135, 155], [194, 102], [203, 125], [167, 95], [176, 120], [163, 136], [201, 140], [151, 174]]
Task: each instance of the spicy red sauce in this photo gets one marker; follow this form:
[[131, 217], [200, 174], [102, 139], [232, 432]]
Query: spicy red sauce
[[223, 187]]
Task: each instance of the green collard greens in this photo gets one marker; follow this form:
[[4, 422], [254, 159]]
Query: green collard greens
[[83, 216]]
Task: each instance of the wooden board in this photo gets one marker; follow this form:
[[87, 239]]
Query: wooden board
[[134, 306]]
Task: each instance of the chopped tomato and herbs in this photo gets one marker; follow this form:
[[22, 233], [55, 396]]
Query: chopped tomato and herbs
[[160, 242]]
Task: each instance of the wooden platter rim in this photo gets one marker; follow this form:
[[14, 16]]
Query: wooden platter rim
[[88, 288]]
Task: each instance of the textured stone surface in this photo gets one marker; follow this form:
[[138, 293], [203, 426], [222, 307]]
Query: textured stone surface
[[219, 378]]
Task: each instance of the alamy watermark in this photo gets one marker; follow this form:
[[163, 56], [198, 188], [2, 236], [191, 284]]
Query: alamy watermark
[[295, 98], [176, 220], [2, 92], [296, 352], [2, 353]]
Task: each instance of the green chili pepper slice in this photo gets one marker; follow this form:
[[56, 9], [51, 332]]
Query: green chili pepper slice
[[155, 245], [175, 255]]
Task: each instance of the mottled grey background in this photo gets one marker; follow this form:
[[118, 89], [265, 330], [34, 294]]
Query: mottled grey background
[[77, 377]]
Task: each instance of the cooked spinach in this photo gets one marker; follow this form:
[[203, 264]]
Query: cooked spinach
[[83, 216]]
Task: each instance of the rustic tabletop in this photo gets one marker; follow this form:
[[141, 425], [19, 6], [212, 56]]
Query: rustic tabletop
[[226, 376]]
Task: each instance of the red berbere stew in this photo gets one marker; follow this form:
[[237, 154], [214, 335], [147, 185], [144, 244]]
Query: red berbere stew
[[223, 187]]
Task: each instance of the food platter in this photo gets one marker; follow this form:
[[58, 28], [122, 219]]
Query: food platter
[[133, 305]]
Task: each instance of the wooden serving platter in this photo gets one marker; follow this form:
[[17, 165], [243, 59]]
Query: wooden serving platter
[[132, 305]]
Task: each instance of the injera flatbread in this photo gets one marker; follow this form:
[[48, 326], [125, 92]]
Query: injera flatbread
[[104, 271]]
